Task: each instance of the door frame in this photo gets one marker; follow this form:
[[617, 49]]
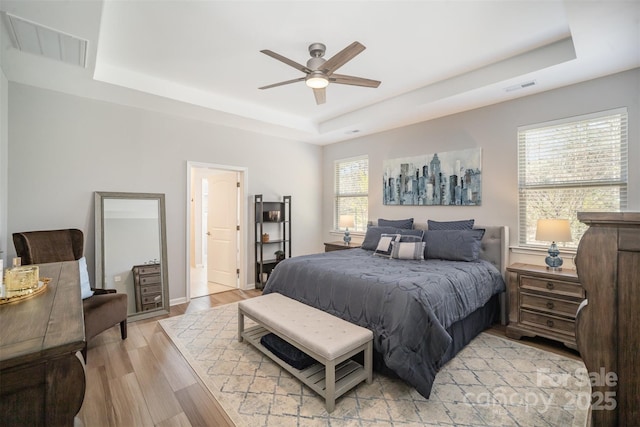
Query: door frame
[[243, 174]]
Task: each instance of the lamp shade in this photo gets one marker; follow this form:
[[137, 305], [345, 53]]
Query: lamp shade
[[553, 230], [346, 221]]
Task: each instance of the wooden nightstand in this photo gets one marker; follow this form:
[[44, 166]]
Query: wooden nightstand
[[338, 246], [543, 302]]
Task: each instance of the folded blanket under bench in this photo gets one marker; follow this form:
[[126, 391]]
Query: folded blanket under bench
[[328, 339]]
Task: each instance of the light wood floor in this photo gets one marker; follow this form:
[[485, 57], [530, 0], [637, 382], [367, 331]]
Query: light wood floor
[[145, 381]]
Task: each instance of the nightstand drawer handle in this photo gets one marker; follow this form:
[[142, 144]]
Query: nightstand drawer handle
[[550, 323], [549, 285], [550, 305]]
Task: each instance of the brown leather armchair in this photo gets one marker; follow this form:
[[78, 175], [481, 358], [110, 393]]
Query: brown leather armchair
[[105, 308]]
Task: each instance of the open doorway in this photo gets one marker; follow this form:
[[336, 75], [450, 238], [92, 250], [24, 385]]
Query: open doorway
[[216, 242]]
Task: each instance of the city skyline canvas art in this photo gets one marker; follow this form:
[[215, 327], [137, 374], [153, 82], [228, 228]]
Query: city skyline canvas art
[[451, 178]]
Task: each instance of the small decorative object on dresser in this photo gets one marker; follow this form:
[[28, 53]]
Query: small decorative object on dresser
[[338, 246], [543, 302]]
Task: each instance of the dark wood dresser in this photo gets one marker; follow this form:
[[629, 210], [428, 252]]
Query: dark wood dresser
[[608, 331], [148, 286], [42, 379]]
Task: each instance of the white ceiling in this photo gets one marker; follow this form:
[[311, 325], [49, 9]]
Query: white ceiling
[[201, 59]]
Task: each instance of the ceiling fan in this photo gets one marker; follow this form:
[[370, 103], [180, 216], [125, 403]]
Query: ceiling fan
[[320, 72]]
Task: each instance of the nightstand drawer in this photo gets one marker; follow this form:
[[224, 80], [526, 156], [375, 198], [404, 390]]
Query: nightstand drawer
[[552, 323], [151, 299], [148, 280], [150, 269], [549, 304], [150, 289], [552, 286]]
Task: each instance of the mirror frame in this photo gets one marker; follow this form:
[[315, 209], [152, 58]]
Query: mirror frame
[[100, 196]]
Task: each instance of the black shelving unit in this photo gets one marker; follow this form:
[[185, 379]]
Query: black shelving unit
[[274, 219]]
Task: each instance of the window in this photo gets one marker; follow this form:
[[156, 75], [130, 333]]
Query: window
[[352, 191], [569, 166]]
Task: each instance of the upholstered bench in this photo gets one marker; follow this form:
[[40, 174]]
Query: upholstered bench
[[328, 339]]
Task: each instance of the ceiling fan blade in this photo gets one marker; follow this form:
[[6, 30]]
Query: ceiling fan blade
[[286, 61], [321, 95], [282, 83], [354, 81], [342, 57]]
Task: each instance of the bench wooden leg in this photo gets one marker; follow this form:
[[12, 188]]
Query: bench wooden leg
[[368, 361], [330, 385], [240, 325]]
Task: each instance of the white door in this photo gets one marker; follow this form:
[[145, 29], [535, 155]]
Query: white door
[[222, 229]]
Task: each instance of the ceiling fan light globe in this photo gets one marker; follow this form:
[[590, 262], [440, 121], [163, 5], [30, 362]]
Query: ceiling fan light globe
[[317, 81]]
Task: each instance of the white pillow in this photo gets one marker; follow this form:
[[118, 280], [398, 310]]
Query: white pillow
[[384, 244], [85, 285], [408, 250]]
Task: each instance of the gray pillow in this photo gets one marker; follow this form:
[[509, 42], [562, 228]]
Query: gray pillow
[[372, 237], [406, 224], [411, 235], [454, 245], [466, 224]]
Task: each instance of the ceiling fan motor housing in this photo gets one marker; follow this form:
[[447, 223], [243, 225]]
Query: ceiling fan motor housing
[[315, 63], [317, 50]]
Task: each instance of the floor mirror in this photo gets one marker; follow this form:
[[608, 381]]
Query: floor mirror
[[131, 250]]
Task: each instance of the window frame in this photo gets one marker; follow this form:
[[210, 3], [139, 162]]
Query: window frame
[[361, 224], [622, 184]]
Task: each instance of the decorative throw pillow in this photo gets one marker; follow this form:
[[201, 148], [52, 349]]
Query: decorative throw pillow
[[466, 224], [406, 224], [410, 238], [411, 235], [407, 250], [454, 245], [385, 244], [372, 237], [85, 286]]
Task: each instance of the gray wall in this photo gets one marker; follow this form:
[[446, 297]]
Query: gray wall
[[62, 148], [494, 129]]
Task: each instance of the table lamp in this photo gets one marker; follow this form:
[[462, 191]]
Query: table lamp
[[553, 230], [346, 221]]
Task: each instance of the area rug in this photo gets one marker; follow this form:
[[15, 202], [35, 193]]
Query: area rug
[[491, 382]]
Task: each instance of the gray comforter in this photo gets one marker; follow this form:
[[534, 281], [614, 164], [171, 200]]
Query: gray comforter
[[407, 304]]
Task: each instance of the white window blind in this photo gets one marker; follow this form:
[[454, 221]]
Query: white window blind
[[569, 166], [352, 191]]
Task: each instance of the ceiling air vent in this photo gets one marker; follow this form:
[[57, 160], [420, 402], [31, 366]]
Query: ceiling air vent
[[37, 39], [520, 86]]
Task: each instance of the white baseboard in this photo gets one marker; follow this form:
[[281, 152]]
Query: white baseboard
[[176, 301]]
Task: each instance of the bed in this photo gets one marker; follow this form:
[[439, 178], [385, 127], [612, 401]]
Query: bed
[[421, 312]]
